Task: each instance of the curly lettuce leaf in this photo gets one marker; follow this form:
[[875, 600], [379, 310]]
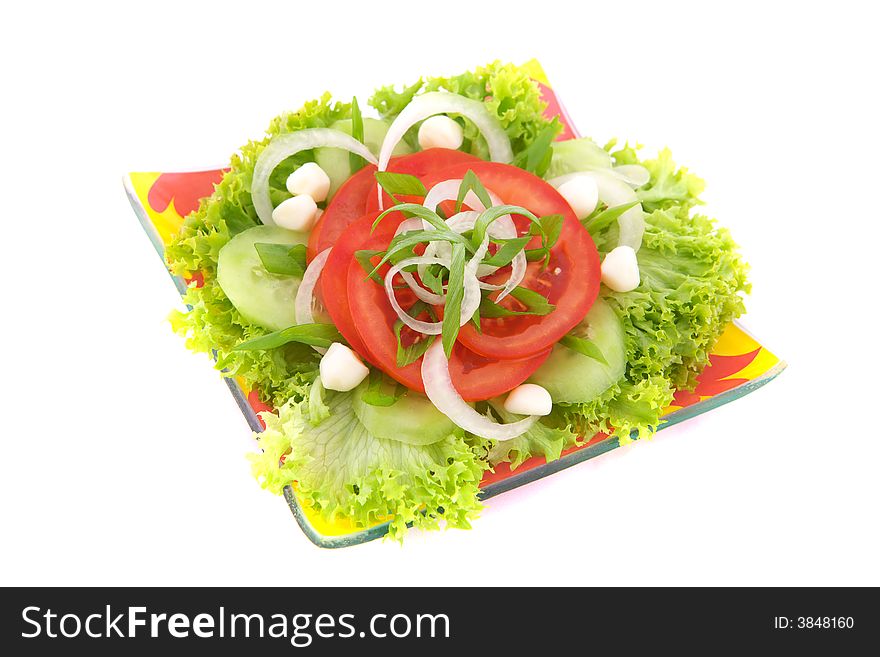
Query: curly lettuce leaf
[[628, 410], [508, 92], [213, 325], [341, 470], [692, 280], [540, 440], [318, 410], [670, 186]]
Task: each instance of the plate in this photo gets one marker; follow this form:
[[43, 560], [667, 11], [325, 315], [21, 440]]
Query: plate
[[738, 364]]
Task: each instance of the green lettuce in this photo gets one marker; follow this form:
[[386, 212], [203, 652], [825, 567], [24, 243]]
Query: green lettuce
[[341, 470], [542, 439], [670, 186], [628, 410], [508, 92], [213, 325], [692, 280]]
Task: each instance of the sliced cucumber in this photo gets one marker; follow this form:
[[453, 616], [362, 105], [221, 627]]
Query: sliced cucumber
[[571, 377], [412, 419], [262, 298], [336, 162]]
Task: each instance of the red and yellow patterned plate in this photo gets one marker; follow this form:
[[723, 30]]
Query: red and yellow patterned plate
[[738, 363]]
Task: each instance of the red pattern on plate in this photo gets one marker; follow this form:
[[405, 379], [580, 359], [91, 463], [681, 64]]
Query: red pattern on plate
[[503, 471], [258, 406], [712, 379], [195, 277], [184, 189], [555, 108]]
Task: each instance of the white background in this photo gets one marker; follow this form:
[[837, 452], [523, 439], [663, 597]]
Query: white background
[[122, 454]]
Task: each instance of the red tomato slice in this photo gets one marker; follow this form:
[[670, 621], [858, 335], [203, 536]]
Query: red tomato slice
[[425, 162], [570, 281], [420, 165], [346, 206], [333, 287], [474, 376], [358, 194]]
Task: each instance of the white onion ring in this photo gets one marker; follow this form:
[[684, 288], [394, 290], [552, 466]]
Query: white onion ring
[[412, 223], [460, 223], [302, 305], [443, 250], [472, 295], [465, 221], [634, 175], [283, 146], [613, 192], [438, 102], [427, 328], [448, 191], [469, 303], [559, 181], [427, 296], [444, 396], [503, 227]]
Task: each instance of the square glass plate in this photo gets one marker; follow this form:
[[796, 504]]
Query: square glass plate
[[738, 364]]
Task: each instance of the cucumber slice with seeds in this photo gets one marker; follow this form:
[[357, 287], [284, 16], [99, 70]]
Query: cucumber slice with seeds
[[571, 377], [262, 298], [412, 419]]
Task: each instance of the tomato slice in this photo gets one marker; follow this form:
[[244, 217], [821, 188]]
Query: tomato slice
[[424, 163], [474, 376], [344, 210], [570, 280], [421, 164], [358, 194], [333, 283], [346, 206]]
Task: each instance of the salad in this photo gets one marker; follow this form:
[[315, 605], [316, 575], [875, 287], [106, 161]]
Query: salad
[[425, 293]]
